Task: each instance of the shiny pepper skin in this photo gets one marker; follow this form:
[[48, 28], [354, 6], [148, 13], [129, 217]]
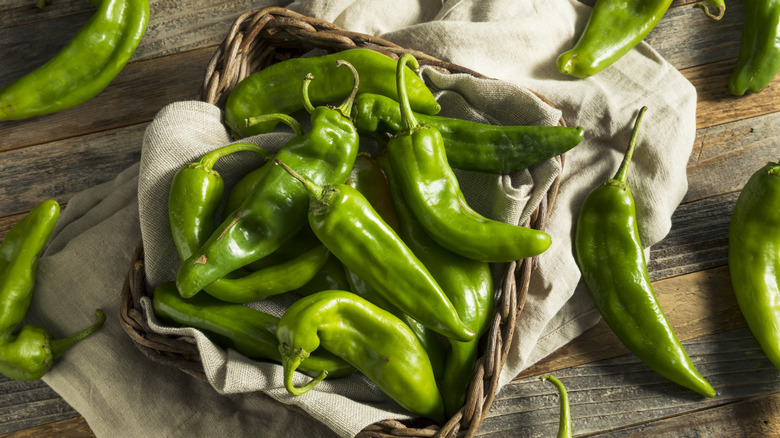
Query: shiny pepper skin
[[611, 259], [759, 48], [754, 257], [84, 67], [374, 341]]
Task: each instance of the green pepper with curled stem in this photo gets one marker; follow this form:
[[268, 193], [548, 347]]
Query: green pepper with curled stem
[[246, 330], [29, 352], [467, 283], [611, 259], [418, 158], [754, 259], [373, 340], [355, 233], [615, 27], [470, 145], [84, 67], [759, 49], [250, 97], [275, 209]]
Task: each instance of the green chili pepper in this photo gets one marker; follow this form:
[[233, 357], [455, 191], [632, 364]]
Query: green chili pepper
[[84, 67], [564, 424], [250, 97], [754, 261], [330, 277], [244, 187], [30, 352], [467, 283], [353, 231], [369, 179], [374, 341], [614, 27], [609, 254], [469, 145], [246, 330], [276, 208], [759, 49], [418, 159]]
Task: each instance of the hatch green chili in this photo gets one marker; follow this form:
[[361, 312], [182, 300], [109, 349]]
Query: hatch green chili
[[467, 283], [246, 330], [615, 27], [754, 258], [29, 352], [84, 67], [373, 340], [353, 231], [250, 97], [418, 158], [610, 257], [759, 49], [470, 145], [276, 207]]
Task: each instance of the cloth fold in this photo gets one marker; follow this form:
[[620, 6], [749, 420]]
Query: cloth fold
[[120, 391]]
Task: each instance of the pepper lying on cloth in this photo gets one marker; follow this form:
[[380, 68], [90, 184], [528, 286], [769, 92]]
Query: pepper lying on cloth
[[87, 64], [30, 352]]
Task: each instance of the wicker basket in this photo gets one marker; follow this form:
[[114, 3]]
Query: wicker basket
[[258, 39]]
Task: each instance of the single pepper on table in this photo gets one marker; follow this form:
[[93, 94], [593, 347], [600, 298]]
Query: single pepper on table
[[275, 209], [754, 257], [84, 67], [29, 352], [418, 158], [759, 49], [609, 254], [250, 98]]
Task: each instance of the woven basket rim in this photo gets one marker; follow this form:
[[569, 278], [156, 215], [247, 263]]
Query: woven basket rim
[[255, 38]]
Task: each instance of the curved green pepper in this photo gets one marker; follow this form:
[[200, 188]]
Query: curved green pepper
[[615, 27], [248, 331], [609, 254], [374, 341], [30, 352], [759, 49], [276, 208], [754, 258], [470, 145], [467, 283], [250, 97], [369, 179], [353, 231], [418, 159], [84, 67]]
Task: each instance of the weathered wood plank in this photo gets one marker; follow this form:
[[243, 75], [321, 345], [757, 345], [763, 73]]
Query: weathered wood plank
[[19, 12], [60, 169], [75, 427], [623, 392], [25, 404]]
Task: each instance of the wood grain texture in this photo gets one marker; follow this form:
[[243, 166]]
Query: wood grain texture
[[68, 428], [26, 404]]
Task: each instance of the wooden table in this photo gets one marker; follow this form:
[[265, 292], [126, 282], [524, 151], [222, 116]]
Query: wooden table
[[611, 392]]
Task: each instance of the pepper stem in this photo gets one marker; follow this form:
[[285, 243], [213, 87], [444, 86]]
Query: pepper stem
[[210, 159], [564, 424], [305, 93], [315, 190], [622, 173], [60, 346], [408, 121], [346, 107], [284, 118], [719, 5], [290, 364]]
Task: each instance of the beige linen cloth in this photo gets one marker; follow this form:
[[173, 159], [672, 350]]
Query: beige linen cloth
[[122, 393]]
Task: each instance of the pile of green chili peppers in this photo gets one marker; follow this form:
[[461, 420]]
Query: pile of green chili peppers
[[389, 268]]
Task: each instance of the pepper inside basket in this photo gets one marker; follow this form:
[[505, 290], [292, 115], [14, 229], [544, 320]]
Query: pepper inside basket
[[256, 40]]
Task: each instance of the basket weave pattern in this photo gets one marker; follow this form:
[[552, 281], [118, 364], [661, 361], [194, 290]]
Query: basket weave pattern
[[258, 39]]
